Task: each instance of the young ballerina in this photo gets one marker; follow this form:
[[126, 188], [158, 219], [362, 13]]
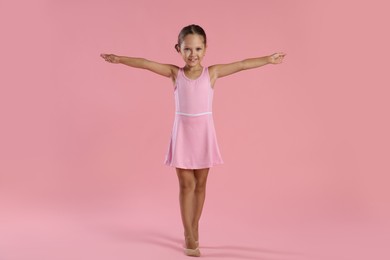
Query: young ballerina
[[193, 146]]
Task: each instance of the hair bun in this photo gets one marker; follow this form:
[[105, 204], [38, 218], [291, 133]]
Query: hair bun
[[190, 29]]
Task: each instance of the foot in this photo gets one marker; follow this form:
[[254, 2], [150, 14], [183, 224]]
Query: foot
[[191, 247], [196, 237], [192, 252], [190, 243]]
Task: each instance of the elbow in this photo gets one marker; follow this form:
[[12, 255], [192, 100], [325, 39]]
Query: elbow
[[242, 65], [143, 63]]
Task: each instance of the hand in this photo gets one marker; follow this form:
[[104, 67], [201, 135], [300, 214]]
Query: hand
[[276, 58], [110, 58]]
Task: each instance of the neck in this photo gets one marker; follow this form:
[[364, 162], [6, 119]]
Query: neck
[[193, 68]]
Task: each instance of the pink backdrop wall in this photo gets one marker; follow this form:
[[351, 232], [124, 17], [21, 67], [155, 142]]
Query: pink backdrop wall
[[305, 143]]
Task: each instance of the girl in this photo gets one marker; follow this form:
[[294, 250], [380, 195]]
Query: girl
[[193, 146]]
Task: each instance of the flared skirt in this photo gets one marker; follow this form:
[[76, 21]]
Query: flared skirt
[[193, 143]]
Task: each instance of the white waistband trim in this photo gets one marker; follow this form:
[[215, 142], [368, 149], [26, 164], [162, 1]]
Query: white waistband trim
[[198, 114]]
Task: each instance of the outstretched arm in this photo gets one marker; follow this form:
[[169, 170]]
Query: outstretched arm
[[166, 70], [222, 70]]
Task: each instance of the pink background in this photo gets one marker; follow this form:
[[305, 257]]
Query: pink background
[[305, 143]]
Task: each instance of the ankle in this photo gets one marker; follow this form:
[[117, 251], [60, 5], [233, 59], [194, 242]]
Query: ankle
[[195, 232], [190, 243]]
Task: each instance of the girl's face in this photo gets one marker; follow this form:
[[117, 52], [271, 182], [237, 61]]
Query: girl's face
[[192, 50]]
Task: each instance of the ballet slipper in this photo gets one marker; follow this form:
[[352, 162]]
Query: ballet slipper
[[192, 252]]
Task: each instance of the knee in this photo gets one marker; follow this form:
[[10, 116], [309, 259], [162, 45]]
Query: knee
[[187, 186], [200, 187]]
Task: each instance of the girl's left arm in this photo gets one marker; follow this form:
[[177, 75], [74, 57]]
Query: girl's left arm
[[222, 70]]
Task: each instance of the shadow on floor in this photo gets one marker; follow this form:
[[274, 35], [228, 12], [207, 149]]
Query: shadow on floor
[[176, 244], [245, 252], [142, 236]]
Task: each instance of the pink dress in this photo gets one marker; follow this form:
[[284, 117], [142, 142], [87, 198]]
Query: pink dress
[[193, 143]]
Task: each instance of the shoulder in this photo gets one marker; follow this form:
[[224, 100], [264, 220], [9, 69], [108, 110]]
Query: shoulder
[[213, 73], [175, 72], [222, 70], [175, 69]]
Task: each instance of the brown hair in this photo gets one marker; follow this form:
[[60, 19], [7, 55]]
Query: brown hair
[[190, 29]]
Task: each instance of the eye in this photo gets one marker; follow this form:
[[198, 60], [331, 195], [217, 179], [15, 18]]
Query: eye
[[198, 49]]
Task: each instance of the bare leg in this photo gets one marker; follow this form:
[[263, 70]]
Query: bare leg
[[187, 183], [200, 195]]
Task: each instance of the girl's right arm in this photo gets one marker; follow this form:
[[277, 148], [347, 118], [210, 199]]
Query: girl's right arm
[[167, 70]]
